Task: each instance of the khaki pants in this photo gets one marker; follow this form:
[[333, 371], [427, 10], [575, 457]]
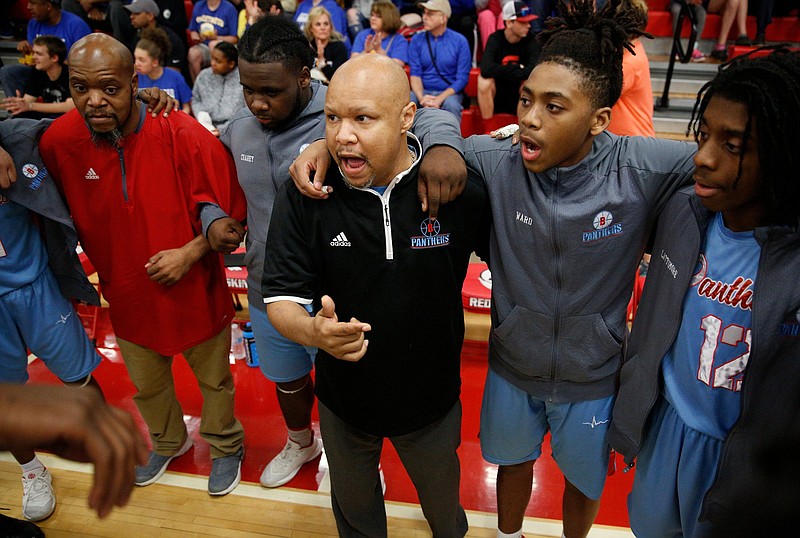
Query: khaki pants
[[155, 398]]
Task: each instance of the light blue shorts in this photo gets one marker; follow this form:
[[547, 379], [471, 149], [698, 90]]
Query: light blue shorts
[[280, 359], [514, 423], [39, 318], [674, 469]]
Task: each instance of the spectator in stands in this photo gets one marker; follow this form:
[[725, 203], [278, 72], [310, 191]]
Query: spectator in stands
[[698, 7], [217, 91], [254, 10], [731, 10], [144, 14], [48, 19], [150, 56], [462, 19], [102, 15], [632, 114], [381, 37], [358, 16], [326, 41], [507, 61], [338, 17], [440, 61], [212, 21], [47, 92], [172, 14], [490, 19]]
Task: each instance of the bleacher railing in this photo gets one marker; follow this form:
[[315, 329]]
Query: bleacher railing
[[678, 52]]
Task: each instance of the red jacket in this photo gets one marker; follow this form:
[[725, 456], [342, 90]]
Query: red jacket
[[132, 202]]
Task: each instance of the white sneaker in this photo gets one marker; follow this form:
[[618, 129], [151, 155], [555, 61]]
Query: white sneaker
[[285, 465], [38, 499]]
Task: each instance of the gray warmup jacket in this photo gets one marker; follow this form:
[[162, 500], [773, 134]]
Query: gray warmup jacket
[[757, 477], [263, 158], [564, 248], [36, 191]]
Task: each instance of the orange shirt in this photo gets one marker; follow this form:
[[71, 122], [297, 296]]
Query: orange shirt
[[633, 113]]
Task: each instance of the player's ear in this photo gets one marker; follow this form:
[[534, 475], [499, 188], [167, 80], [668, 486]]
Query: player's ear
[[407, 116], [600, 120]]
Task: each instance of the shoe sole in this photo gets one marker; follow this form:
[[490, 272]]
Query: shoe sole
[[184, 449], [287, 478]]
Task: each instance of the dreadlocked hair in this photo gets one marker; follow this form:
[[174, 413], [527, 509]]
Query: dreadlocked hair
[[591, 43], [276, 39], [769, 86]]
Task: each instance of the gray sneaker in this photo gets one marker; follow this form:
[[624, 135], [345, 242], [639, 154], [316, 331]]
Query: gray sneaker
[[225, 474], [157, 465]]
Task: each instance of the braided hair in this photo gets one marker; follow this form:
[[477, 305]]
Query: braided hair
[[591, 43], [769, 86], [275, 38]]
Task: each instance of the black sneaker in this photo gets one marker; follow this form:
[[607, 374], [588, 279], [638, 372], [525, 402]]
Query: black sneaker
[[17, 528], [760, 40], [743, 41], [720, 55]]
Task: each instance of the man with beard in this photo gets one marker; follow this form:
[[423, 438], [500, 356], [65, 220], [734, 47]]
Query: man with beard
[[134, 184], [284, 114]]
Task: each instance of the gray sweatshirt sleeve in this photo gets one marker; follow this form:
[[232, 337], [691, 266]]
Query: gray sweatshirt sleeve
[[436, 127]]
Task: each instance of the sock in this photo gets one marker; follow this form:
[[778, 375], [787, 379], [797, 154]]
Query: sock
[[501, 534], [34, 466], [302, 437], [719, 47]]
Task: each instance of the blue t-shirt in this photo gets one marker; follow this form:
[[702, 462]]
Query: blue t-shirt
[[703, 371], [395, 45], [171, 82], [70, 29], [453, 59], [225, 18], [22, 254]]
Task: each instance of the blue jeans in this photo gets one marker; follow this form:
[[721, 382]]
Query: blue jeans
[[452, 104]]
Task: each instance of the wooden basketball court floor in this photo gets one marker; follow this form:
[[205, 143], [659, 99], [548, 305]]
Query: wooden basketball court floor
[[178, 505]]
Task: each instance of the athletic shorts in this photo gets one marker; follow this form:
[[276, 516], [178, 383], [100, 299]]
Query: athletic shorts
[[514, 423], [39, 318], [280, 359], [674, 469]]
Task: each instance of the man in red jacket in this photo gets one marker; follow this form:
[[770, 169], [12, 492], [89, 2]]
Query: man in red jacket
[[135, 184]]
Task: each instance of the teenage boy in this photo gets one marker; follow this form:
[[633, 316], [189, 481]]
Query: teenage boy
[[572, 208], [708, 404], [284, 114], [47, 91], [38, 275]]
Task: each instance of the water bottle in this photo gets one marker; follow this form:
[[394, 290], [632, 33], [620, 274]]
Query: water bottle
[[251, 357], [237, 342]]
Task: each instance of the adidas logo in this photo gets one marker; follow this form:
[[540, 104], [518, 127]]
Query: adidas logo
[[91, 174], [340, 241]]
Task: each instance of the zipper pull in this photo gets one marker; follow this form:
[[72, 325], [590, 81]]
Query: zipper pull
[[629, 467], [386, 212]]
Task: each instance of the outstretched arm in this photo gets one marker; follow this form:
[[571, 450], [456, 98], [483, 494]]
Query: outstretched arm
[[77, 424]]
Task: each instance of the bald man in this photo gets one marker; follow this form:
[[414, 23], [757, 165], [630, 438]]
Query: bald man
[[370, 255], [135, 185]]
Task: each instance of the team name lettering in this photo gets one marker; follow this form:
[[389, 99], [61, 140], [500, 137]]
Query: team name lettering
[[480, 302], [790, 329], [594, 235], [430, 242], [524, 219], [738, 295], [670, 266], [216, 21]]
